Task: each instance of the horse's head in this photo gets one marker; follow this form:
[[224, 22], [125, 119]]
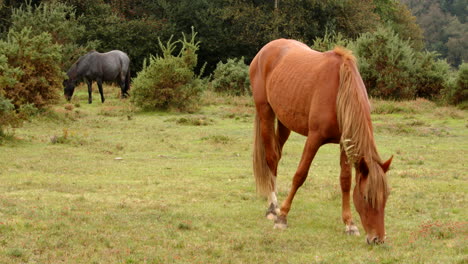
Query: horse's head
[[68, 89], [371, 209]]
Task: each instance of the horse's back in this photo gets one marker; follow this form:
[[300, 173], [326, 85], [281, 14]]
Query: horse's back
[[298, 83], [113, 64]]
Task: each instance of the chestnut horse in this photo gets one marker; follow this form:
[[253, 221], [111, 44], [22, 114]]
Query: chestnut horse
[[321, 96]]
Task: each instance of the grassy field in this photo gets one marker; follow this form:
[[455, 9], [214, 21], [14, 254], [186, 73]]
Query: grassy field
[[103, 183]]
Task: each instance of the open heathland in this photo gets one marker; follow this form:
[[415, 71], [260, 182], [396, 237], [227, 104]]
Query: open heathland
[[106, 183]]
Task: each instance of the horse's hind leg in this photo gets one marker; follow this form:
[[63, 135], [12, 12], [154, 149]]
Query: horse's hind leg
[[99, 83], [345, 182], [272, 153], [123, 92], [90, 91], [282, 134]]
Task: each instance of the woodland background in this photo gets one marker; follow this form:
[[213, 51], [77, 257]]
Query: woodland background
[[406, 49]]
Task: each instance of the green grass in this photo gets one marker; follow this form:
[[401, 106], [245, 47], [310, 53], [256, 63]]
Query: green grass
[[104, 183]]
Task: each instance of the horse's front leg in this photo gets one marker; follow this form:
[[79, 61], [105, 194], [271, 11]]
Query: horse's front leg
[[313, 143], [90, 90], [99, 82], [345, 182]]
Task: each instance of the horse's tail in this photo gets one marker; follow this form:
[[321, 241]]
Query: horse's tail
[[263, 176]]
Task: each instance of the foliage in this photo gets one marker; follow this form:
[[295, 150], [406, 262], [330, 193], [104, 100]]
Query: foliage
[[457, 92], [386, 64], [169, 81], [398, 17], [228, 29], [392, 69], [232, 77], [30, 72], [60, 21], [107, 25], [329, 41], [7, 115], [445, 27], [430, 75]]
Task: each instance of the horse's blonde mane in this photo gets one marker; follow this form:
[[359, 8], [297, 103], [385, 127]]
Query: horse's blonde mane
[[353, 115]]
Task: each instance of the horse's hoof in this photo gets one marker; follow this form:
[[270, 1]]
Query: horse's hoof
[[280, 226], [281, 223], [271, 216], [352, 230], [272, 212]]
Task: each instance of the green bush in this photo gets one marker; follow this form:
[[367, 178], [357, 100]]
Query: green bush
[[232, 77], [430, 75], [30, 68], [457, 92], [58, 19], [329, 41], [169, 81], [386, 64]]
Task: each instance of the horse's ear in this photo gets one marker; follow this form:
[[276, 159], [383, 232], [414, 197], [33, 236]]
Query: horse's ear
[[386, 165], [363, 168]]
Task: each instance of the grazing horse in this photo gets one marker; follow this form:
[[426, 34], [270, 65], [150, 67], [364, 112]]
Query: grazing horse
[[321, 96], [112, 66]]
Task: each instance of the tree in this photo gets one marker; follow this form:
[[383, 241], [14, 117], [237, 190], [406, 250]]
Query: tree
[[445, 27]]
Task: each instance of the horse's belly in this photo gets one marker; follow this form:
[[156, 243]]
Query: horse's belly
[[291, 105]]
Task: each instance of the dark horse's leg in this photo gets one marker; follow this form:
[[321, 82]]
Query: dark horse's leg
[[123, 93], [90, 90], [99, 83], [345, 182], [313, 143]]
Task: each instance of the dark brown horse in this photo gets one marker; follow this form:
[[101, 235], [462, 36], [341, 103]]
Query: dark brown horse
[[321, 96]]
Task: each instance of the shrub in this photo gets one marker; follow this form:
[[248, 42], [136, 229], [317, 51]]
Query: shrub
[[232, 77], [58, 19], [430, 75], [30, 71], [329, 41], [169, 81], [386, 64], [457, 92]]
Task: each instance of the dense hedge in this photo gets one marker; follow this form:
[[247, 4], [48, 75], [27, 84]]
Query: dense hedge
[[30, 68]]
